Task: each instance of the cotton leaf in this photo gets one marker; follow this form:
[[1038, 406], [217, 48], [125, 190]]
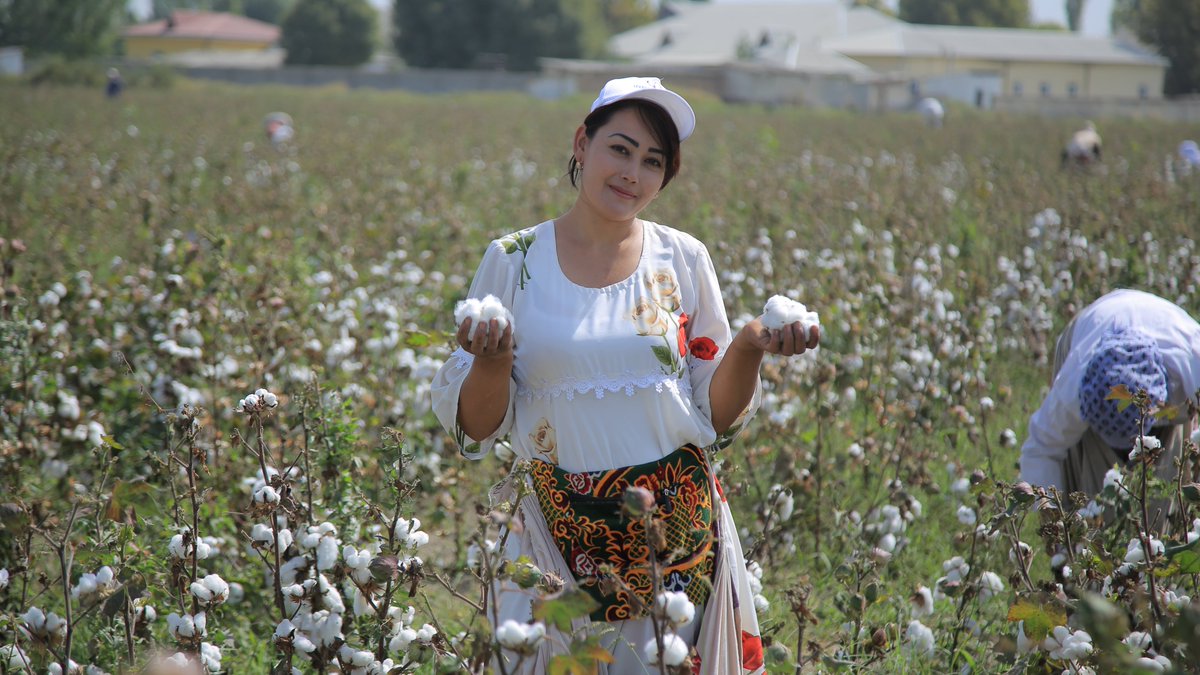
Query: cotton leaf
[[1039, 619], [559, 611]]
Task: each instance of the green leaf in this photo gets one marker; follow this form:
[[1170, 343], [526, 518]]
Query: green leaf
[[418, 338], [1119, 393], [1189, 562], [112, 443], [1039, 619], [559, 612], [582, 659], [664, 355], [125, 493]]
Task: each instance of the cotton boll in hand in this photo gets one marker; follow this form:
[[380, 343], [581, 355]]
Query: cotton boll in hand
[[480, 310], [781, 311]]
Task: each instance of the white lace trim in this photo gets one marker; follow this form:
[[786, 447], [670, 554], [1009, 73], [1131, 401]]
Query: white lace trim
[[599, 386], [462, 358]]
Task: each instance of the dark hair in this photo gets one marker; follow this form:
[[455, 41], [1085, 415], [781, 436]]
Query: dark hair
[[662, 129]]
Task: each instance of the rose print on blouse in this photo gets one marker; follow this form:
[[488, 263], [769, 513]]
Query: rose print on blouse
[[657, 317], [519, 241], [544, 441], [664, 288]]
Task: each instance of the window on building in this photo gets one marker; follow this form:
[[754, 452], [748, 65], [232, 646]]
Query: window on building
[[1044, 88], [1143, 91], [1018, 88], [1072, 90]]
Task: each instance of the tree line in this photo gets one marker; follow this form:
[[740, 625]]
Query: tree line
[[514, 34]]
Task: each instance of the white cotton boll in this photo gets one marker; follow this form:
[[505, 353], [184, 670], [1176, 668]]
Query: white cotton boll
[[761, 603], [353, 657], [1138, 640], [677, 606], [3, 579], [887, 542], [1196, 436], [990, 585], [922, 602], [14, 658], [966, 515], [675, 650], [510, 634], [920, 639], [471, 308], [482, 310], [210, 654], [326, 553], [426, 633], [266, 495], [285, 629], [402, 639], [34, 619], [780, 311], [960, 487]]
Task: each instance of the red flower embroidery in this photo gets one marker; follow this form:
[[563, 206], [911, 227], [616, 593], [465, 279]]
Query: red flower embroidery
[[683, 321], [703, 348], [752, 654]]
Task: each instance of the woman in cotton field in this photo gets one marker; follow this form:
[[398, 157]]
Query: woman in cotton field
[[618, 368], [1126, 338]]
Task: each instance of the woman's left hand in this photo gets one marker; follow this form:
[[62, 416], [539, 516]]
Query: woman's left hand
[[787, 341]]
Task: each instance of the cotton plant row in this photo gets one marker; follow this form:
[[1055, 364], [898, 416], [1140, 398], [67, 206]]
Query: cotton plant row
[[199, 333]]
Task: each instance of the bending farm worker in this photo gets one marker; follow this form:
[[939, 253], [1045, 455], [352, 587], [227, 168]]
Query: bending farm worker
[[1126, 338]]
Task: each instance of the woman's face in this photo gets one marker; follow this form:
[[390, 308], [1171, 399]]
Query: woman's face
[[623, 167]]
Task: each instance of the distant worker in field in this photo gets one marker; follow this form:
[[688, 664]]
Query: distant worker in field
[[279, 128], [1189, 154], [605, 354], [1083, 148], [1129, 338], [114, 84], [932, 112]]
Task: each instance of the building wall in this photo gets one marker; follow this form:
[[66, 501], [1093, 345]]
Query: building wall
[[141, 47], [1034, 79]]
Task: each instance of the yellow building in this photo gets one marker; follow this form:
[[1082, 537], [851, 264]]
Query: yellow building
[[186, 31], [834, 39], [1029, 63]]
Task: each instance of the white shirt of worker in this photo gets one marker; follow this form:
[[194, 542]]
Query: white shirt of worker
[[1058, 424]]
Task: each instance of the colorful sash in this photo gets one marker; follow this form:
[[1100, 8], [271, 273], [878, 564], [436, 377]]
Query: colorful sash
[[583, 512]]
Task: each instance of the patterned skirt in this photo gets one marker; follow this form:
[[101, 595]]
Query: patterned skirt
[[609, 553]]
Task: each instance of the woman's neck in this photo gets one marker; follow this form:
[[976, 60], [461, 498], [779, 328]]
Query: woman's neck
[[585, 228]]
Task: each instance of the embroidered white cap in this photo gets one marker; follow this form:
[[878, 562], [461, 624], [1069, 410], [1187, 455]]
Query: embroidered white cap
[[650, 89]]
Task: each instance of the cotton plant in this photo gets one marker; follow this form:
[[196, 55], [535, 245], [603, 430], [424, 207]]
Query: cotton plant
[[92, 586], [46, 627], [674, 653], [522, 638], [919, 640]]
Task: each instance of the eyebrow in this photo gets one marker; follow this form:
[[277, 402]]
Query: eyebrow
[[635, 143]]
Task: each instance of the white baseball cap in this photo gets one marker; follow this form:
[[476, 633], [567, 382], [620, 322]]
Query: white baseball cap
[[650, 89]]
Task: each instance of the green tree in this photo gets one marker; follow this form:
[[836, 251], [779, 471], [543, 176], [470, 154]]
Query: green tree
[[270, 11], [514, 33], [623, 15], [72, 28], [1075, 15], [329, 32], [1172, 27], [988, 13], [877, 5]]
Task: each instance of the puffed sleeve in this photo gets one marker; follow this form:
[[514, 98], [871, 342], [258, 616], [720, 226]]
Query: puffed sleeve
[[495, 276], [709, 336], [1054, 428]]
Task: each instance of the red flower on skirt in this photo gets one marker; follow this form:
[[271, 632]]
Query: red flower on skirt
[[683, 321], [703, 348]]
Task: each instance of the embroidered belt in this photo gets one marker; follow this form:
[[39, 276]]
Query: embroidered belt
[[583, 512]]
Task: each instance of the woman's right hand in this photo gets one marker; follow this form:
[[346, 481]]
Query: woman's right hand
[[489, 343]]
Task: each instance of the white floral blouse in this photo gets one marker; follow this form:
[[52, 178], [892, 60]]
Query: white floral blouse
[[605, 378], [602, 377]]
